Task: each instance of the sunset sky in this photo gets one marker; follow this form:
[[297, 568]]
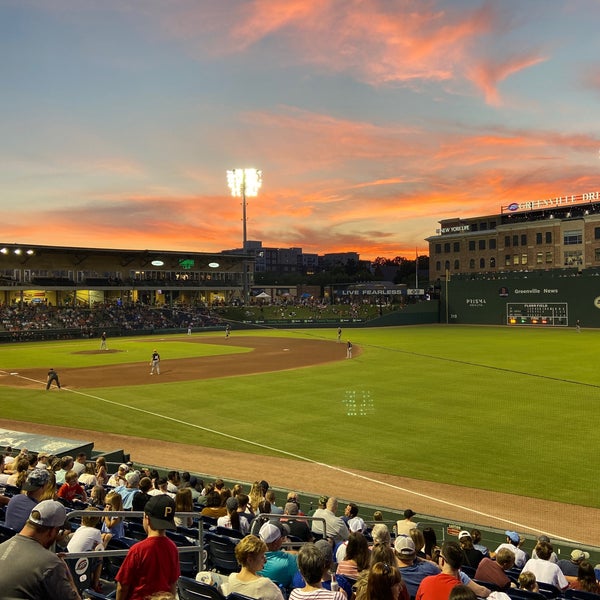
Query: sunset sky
[[370, 119]]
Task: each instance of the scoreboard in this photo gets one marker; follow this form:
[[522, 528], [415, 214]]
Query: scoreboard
[[554, 314]]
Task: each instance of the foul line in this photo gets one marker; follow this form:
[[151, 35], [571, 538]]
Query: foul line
[[305, 459]]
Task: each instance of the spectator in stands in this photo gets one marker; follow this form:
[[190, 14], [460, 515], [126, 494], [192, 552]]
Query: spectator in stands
[[196, 486], [86, 538], [381, 534], [280, 566], [160, 488], [113, 525], [312, 564], [270, 496], [35, 571], [184, 503], [476, 537], [413, 571], [545, 538], [513, 541], [430, 542], [38, 486], [19, 475], [98, 497], [494, 571], [356, 556], [383, 583], [250, 554], [586, 579], [71, 489], [354, 522], [462, 592], [79, 464], [151, 565], [118, 478], [544, 570], [472, 555], [88, 477], [298, 527], [438, 587], [43, 459], [142, 496], [335, 528], [403, 526], [129, 490], [101, 472], [213, 506], [294, 497], [244, 508], [232, 519], [66, 465], [255, 495], [528, 582], [173, 482], [416, 535], [570, 566]]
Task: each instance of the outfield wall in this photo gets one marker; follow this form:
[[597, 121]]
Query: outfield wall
[[530, 299]]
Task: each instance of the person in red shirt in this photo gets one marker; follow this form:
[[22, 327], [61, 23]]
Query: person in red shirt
[[71, 489], [151, 565], [438, 587]]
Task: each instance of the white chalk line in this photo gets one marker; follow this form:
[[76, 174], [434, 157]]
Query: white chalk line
[[398, 488]]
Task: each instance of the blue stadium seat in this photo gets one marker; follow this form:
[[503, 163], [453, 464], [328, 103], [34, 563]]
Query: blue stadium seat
[[221, 552], [519, 594], [190, 589], [6, 532], [580, 595]]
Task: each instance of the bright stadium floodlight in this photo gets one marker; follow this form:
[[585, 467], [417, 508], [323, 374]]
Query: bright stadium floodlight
[[244, 183]]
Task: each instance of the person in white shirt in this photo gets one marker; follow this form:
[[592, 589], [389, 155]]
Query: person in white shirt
[[544, 570], [513, 540]]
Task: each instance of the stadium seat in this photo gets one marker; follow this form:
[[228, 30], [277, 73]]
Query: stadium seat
[[469, 571], [549, 591], [233, 533], [188, 561], [221, 552], [236, 596], [6, 532], [112, 563], [346, 583], [580, 595], [190, 589], [518, 594]]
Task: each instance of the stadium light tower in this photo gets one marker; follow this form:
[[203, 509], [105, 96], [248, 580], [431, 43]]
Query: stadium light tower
[[244, 183]]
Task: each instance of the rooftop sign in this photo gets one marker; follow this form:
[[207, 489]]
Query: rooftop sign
[[549, 203]]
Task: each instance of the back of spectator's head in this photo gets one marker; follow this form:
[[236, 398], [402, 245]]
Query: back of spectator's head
[[381, 534], [145, 484], [322, 501], [505, 558], [270, 496], [133, 479], [405, 548], [324, 546], [332, 504], [475, 536], [291, 508], [249, 547], [161, 482], [513, 537], [578, 555], [352, 509], [543, 550], [91, 520], [377, 516], [264, 486], [462, 592], [417, 537], [185, 477], [264, 507], [311, 564], [453, 554], [243, 500], [71, 477], [382, 553], [380, 580], [213, 499], [219, 484], [527, 581], [66, 463]]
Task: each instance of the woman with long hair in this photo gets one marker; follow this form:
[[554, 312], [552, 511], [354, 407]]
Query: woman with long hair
[[383, 583], [184, 503], [586, 579], [357, 556], [101, 472]]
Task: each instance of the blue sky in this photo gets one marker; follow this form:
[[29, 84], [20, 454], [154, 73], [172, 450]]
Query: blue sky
[[371, 120]]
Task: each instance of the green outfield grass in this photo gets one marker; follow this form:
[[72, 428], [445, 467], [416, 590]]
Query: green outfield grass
[[511, 410]]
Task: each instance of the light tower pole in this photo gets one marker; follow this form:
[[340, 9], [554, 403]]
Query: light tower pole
[[244, 183]]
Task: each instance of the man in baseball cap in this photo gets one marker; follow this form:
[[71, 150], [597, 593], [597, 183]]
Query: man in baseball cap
[[35, 571], [151, 565], [280, 566], [38, 482]]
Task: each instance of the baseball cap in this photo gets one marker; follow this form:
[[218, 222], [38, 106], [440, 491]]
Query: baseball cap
[[161, 512], [124, 467], [290, 508], [513, 536], [408, 513], [325, 547], [269, 533], [577, 555], [356, 524], [463, 533], [48, 513], [404, 546], [36, 479]]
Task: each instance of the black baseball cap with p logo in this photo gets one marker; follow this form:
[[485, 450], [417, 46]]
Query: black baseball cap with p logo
[[161, 512]]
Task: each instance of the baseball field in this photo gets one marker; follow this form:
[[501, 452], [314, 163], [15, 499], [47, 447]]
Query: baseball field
[[495, 409]]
